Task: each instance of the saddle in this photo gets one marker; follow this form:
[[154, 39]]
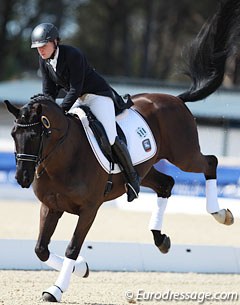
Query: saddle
[[131, 128], [103, 142], [120, 104], [100, 134]]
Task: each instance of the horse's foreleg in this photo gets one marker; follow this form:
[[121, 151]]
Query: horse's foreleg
[[223, 216], [162, 184], [54, 293], [48, 222]]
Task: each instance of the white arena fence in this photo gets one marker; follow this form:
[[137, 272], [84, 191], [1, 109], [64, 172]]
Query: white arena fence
[[116, 256]]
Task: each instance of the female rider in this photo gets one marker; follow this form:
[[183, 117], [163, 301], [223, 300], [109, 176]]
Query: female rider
[[63, 66]]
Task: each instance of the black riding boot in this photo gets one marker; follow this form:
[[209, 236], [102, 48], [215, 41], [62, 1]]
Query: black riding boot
[[124, 159]]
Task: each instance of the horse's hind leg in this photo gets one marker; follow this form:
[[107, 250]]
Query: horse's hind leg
[[208, 166], [221, 215], [162, 184]]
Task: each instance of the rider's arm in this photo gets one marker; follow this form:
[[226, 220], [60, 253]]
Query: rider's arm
[[48, 85], [76, 64]]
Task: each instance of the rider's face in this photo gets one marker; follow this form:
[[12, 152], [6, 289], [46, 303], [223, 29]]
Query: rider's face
[[47, 50]]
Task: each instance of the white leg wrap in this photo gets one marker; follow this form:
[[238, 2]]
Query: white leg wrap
[[156, 220], [64, 277], [211, 196], [80, 267], [54, 261]]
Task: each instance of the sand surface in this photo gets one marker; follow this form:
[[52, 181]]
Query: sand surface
[[109, 288], [20, 220]]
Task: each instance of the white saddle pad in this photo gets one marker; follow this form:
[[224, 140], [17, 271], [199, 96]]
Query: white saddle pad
[[140, 141]]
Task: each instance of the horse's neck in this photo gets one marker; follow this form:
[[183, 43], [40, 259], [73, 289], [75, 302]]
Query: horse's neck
[[79, 149], [73, 142], [74, 158]]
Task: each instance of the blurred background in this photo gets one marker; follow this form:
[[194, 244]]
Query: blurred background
[[137, 45], [136, 38]]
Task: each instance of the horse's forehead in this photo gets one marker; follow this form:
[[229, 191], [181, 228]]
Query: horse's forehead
[[27, 112]]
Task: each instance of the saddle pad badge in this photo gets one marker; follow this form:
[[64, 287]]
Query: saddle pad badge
[[146, 145]]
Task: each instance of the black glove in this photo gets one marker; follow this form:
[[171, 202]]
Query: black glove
[[64, 108]]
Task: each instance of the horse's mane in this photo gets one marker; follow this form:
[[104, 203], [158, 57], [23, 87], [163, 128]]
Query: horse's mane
[[41, 98]]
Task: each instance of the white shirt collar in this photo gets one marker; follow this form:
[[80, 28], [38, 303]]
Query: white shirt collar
[[53, 61]]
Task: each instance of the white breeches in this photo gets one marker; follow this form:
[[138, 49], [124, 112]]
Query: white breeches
[[103, 108]]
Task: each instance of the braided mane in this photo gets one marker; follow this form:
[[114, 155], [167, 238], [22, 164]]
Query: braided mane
[[40, 97]]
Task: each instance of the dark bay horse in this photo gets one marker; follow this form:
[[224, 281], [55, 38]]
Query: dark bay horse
[[54, 155]]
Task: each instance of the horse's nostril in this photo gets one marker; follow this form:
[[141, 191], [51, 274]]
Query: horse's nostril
[[25, 176]]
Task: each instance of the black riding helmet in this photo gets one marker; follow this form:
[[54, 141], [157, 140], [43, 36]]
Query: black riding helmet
[[43, 33]]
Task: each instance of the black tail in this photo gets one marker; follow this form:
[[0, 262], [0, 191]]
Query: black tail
[[207, 54]]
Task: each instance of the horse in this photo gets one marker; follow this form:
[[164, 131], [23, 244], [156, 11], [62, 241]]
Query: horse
[[53, 153]]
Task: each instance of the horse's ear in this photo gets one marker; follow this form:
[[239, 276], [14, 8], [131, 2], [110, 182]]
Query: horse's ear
[[11, 108]]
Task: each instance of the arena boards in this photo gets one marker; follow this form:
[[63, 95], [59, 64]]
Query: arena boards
[[119, 256]]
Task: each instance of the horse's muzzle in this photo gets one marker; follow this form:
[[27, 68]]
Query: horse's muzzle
[[24, 178]]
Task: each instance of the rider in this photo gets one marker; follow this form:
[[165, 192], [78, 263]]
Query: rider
[[63, 66]]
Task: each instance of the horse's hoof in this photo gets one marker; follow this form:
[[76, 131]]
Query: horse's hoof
[[87, 271], [165, 245], [52, 294], [224, 216], [47, 297]]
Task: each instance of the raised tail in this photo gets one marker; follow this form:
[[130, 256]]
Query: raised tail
[[207, 54]]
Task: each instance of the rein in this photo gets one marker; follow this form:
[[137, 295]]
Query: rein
[[44, 159]]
